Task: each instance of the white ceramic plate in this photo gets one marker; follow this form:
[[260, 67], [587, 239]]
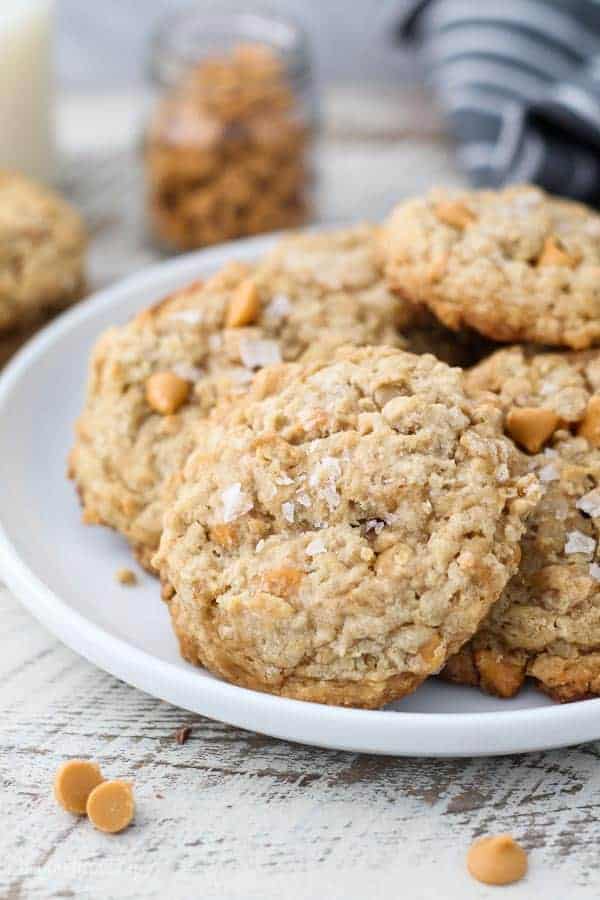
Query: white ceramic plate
[[64, 573]]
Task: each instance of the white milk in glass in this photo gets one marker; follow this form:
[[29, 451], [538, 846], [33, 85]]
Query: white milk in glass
[[26, 90]]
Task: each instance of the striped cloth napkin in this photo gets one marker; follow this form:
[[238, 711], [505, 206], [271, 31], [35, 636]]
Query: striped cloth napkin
[[519, 84]]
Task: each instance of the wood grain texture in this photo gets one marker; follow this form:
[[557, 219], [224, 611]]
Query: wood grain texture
[[230, 814], [234, 815]]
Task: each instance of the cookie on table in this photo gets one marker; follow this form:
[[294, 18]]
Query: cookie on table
[[153, 378], [547, 623], [515, 264], [337, 537], [42, 247]]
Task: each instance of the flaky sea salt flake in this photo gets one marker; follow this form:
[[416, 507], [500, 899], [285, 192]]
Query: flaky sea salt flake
[[577, 542], [258, 352], [235, 502], [279, 307], [315, 547], [288, 511], [375, 525], [188, 373], [590, 503], [189, 316]]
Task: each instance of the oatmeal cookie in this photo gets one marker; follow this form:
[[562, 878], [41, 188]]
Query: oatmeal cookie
[[547, 623], [42, 246], [338, 536], [515, 264], [153, 378]]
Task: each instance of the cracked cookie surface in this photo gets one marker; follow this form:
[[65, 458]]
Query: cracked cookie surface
[[338, 536], [515, 264], [547, 623], [152, 379]]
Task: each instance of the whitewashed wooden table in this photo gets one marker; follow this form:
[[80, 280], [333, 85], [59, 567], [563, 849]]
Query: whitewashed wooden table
[[231, 814]]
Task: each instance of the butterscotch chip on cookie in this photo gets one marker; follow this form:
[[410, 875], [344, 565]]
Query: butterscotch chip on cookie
[[515, 264], [338, 538], [153, 379], [547, 623], [42, 246]]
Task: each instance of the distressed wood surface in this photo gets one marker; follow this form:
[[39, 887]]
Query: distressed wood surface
[[231, 814]]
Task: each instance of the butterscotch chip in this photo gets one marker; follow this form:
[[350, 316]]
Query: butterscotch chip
[[531, 427], [497, 860], [590, 426], [553, 254], [498, 674], [244, 306], [282, 582], [454, 213], [74, 782], [126, 577], [110, 806], [327, 595], [524, 266], [166, 392]]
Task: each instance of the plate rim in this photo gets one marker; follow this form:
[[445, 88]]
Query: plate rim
[[393, 732]]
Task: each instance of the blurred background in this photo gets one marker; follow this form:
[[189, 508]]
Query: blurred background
[[377, 138], [103, 46], [161, 150]]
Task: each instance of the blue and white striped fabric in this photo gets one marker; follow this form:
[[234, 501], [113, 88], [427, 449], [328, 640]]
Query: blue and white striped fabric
[[519, 84]]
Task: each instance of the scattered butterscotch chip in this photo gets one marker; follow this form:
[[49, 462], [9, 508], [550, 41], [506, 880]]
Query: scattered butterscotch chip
[[244, 306], [589, 427], [182, 734], [454, 213], [74, 782], [126, 577], [110, 806], [166, 392], [531, 427], [497, 860], [554, 254]]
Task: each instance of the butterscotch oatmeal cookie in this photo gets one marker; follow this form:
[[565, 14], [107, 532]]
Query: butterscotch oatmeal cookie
[[547, 623], [42, 245], [515, 264], [335, 539], [154, 378]]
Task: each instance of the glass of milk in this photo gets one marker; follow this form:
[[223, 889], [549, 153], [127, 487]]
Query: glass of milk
[[26, 89]]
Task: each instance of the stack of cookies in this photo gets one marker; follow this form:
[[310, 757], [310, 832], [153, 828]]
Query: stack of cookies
[[343, 483], [520, 266]]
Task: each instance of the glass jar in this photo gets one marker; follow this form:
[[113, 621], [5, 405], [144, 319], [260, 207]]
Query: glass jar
[[227, 146]]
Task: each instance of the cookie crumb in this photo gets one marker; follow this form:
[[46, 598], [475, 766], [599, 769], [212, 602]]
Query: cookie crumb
[[497, 859], [182, 734], [126, 577], [110, 806], [74, 782]]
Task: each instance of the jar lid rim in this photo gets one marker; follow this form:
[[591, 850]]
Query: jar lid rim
[[259, 24]]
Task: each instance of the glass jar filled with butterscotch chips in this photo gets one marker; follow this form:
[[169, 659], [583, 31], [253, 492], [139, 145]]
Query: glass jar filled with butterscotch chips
[[228, 144]]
